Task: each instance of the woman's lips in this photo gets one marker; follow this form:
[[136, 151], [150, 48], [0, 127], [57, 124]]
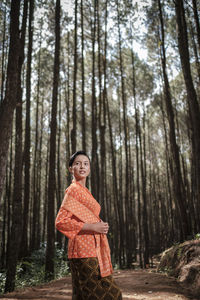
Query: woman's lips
[[82, 172]]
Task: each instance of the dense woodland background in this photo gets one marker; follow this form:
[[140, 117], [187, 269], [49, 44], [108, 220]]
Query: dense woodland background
[[73, 77]]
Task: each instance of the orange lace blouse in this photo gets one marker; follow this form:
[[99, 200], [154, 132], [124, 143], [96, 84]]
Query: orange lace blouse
[[79, 207]]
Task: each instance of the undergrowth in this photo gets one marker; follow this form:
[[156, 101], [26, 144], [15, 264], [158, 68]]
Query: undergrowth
[[31, 270]]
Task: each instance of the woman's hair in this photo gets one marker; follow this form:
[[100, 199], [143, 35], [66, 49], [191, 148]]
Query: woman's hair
[[72, 158]]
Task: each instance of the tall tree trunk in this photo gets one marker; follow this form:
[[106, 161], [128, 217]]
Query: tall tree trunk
[[16, 229], [24, 243], [74, 129], [117, 200], [59, 235], [94, 163], [194, 111], [176, 174], [83, 80], [9, 103], [196, 18], [67, 103], [3, 56], [49, 265], [144, 194], [102, 115], [168, 168], [125, 126]]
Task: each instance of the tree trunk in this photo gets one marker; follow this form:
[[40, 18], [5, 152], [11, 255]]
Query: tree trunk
[[194, 111], [16, 229], [102, 117], [83, 81], [49, 265], [8, 105], [94, 162], [176, 174], [3, 56], [74, 129], [125, 127], [24, 242], [196, 18], [59, 235]]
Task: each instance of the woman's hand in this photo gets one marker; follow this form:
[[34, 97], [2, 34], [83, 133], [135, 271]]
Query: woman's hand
[[99, 227]]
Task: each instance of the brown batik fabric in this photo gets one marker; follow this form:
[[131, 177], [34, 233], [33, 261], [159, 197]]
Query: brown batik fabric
[[88, 284]]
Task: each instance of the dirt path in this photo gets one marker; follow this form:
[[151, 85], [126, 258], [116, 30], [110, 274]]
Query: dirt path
[[135, 285]]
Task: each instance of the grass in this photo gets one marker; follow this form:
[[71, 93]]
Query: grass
[[31, 270]]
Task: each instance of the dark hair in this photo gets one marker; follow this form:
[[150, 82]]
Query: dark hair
[[72, 158]]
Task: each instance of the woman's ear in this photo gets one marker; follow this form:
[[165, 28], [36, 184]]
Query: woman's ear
[[70, 169]]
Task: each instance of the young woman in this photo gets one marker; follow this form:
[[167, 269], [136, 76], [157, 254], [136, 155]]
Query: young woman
[[88, 249]]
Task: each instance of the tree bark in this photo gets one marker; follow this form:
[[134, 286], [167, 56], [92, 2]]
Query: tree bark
[[94, 162], [194, 111], [83, 81], [9, 103], [176, 175], [24, 242], [49, 265], [74, 129]]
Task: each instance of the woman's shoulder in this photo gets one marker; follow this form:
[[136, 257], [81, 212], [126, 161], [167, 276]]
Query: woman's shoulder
[[72, 188]]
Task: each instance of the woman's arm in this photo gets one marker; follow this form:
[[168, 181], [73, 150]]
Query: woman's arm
[[99, 227]]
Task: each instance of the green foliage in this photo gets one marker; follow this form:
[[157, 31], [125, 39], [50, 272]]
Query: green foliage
[[197, 236], [31, 270], [2, 281]]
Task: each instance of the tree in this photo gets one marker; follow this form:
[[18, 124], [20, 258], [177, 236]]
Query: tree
[[49, 266], [16, 229], [179, 191], [194, 110], [8, 105]]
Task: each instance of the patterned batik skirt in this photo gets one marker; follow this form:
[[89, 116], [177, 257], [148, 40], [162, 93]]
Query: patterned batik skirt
[[88, 284]]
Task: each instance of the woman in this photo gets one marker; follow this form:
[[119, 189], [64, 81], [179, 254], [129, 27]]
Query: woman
[[88, 249]]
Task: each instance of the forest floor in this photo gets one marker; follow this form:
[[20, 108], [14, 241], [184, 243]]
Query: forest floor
[[135, 285]]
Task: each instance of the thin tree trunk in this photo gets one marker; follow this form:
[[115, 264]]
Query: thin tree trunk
[[9, 198], [16, 229], [176, 175], [94, 163], [49, 265], [3, 56], [83, 81], [117, 202], [59, 235], [194, 110], [24, 242], [144, 194], [9, 103], [74, 129], [102, 119], [196, 18], [125, 126]]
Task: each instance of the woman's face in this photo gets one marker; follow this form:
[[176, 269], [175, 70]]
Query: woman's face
[[80, 167]]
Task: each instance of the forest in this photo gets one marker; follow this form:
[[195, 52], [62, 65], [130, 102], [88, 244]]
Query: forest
[[120, 80]]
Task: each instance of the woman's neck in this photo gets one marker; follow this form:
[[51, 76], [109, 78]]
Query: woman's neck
[[81, 181]]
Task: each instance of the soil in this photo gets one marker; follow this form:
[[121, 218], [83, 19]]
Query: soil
[[135, 284]]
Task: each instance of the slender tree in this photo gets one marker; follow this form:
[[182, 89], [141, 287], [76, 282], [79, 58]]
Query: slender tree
[[49, 266], [95, 162], [8, 105], [179, 191], [24, 248], [16, 229], [194, 110], [74, 129], [83, 80]]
